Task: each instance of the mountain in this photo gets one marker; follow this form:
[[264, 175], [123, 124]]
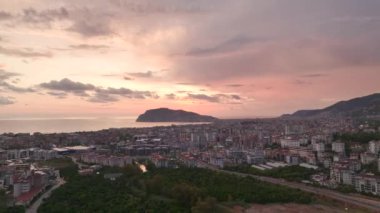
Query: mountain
[[367, 106], [169, 115]]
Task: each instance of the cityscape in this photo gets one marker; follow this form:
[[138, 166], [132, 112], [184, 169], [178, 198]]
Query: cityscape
[[189, 106]]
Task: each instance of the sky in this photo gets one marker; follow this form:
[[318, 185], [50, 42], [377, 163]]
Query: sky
[[230, 59]]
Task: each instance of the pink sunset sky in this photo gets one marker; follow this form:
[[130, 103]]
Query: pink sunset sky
[[230, 59]]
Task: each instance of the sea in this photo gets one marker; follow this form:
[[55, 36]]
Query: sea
[[73, 124]]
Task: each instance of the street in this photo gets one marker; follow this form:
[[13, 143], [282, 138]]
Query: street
[[34, 207]]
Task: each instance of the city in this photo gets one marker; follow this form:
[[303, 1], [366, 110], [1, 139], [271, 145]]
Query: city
[[178, 106], [327, 153]]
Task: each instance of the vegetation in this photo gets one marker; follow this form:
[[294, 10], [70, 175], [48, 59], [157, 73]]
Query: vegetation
[[58, 163], [372, 168], [346, 189], [3, 205], [163, 190], [290, 173], [362, 137]]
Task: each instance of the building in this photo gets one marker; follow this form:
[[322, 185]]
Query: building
[[294, 129], [337, 147], [288, 142], [319, 147], [256, 157], [160, 161], [367, 183], [367, 158], [292, 159], [217, 161], [374, 147]]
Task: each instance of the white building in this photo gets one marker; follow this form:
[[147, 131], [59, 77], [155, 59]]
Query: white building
[[367, 183], [287, 143], [338, 147], [367, 158], [374, 147], [319, 147]]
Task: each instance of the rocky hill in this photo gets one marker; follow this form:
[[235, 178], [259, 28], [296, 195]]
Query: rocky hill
[[169, 115]]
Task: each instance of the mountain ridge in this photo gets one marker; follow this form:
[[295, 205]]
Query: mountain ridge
[[357, 107]]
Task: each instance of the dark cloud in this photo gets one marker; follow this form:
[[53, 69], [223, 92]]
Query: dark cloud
[[103, 98], [224, 47], [234, 85], [171, 96], [314, 75], [217, 98], [147, 74], [5, 16], [127, 78], [4, 75], [33, 16], [6, 100], [203, 97], [67, 85], [88, 47], [185, 83], [60, 95], [91, 28], [301, 82], [13, 88], [236, 97], [155, 8], [28, 53], [128, 93], [61, 88]]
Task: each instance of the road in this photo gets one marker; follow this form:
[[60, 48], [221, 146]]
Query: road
[[33, 208], [80, 165], [369, 204]]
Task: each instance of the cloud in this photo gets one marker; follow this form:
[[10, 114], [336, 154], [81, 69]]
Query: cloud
[[5, 85], [314, 75], [27, 53], [185, 83], [6, 100], [234, 85], [102, 98], [127, 78], [13, 88], [93, 93], [124, 92], [88, 47], [4, 75], [156, 8], [224, 47], [33, 16], [203, 97], [171, 96], [147, 74], [113, 95], [301, 82], [91, 28], [67, 85], [5, 16], [60, 95], [217, 98]]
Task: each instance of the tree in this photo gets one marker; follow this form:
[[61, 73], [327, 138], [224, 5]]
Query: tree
[[209, 205], [185, 194]]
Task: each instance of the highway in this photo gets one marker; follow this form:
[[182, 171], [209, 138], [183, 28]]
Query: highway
[[369, 204]]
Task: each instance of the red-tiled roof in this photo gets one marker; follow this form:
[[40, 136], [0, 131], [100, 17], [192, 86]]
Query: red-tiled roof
[[28, 196]]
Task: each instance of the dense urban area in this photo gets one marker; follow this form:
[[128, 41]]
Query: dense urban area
[[183, 168]]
